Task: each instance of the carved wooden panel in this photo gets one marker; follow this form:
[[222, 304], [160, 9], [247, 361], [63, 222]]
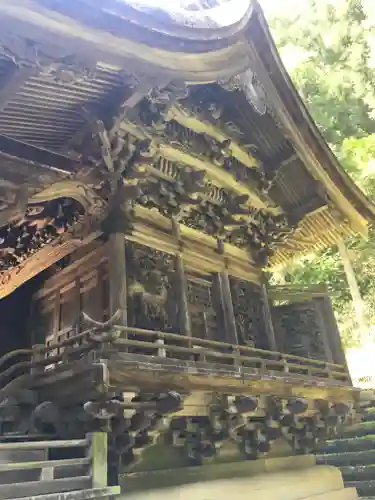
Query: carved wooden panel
[[299, 330], [153, 300], [249, 313], [202, 308], [77, 289]]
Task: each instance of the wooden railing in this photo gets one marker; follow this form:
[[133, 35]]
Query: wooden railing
[[164, 345], [175, 346], [27, 470]]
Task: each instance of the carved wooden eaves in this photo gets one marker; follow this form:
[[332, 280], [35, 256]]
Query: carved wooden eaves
[[56, 222]]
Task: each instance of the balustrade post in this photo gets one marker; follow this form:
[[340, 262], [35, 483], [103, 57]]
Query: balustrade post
[[99, 460]]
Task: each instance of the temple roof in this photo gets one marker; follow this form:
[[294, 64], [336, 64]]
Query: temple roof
[[202, 124]]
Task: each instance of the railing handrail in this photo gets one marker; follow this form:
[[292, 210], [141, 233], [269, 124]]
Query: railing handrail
[[87, 477], [216, 343], [38, 358], [43, 445]]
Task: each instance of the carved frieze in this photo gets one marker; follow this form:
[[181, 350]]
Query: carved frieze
[[42, 225], [215, 152], [249, 314]]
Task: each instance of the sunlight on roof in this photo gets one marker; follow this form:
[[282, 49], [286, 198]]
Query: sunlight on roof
[[198, 13]]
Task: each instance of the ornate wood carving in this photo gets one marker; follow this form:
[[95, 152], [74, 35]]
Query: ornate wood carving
[[216, 213], [94, 207], [67, 210], [249, 314], [153, 109], [254, 91], [203, 309], [171, 196], [40, 226], [64, 68], [298, 329], [151, 281], [205, 147]]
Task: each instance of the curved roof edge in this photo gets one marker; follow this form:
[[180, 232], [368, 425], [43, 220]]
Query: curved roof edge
[[259, 34]]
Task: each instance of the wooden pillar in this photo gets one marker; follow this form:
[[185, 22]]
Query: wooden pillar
[[183, 314], [99, 460], [226, 300], [227, 308], [268, 324], [118, 293]]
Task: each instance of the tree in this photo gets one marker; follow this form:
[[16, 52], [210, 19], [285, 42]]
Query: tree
[[327, 51]]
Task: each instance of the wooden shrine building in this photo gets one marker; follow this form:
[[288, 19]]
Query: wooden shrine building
[[153, 166]]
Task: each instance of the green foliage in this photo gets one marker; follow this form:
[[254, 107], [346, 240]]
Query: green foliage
[[327, 49]]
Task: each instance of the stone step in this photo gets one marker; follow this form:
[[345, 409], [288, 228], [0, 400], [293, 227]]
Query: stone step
[[315, 483], [347, 445], [352, 458], [358, 472], [359, 430], [369, 415], [342, 494], [364, 488]]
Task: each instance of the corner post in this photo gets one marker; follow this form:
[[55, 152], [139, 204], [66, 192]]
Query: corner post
[[98, 454]]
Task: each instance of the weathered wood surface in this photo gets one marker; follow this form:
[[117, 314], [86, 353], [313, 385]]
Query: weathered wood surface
[[73, 479]]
